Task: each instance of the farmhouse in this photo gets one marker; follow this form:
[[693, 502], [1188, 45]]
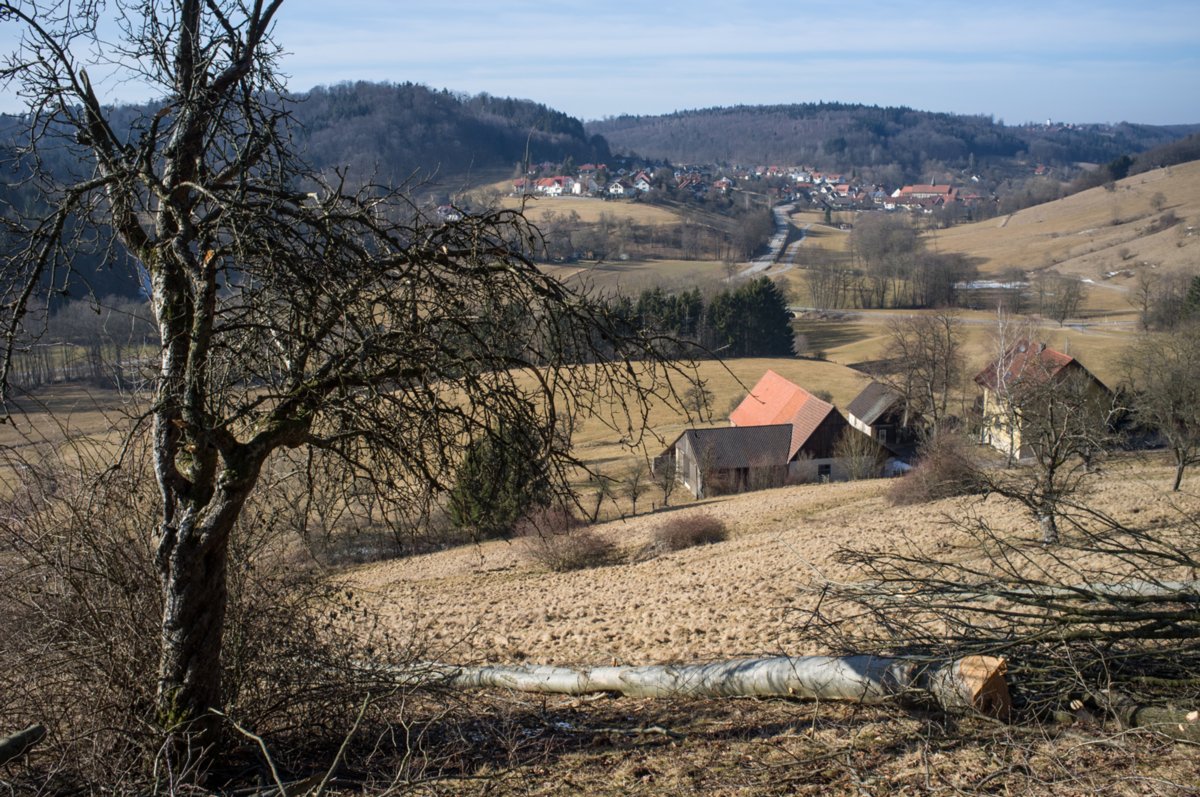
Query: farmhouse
[[816, 426], [878, 412], [1009, 379], [729, 460], [779, 434]]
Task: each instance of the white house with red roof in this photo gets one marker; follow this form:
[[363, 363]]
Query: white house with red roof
[[1007, 380]]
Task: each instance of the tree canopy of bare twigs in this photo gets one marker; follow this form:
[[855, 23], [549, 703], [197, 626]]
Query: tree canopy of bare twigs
[[1065, 422], [293, 312], [1164, 372], [924, 365], [1111, 610]]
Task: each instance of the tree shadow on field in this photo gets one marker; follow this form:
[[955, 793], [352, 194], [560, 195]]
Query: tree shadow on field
[[823, 335], [525, 744]]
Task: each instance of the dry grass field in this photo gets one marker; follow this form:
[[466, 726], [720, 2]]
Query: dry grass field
[[742, 597], [750, 595], [590, 209], [1093, 233], [630, 277]]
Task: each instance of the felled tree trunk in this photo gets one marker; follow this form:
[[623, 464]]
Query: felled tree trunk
[[972, 683]]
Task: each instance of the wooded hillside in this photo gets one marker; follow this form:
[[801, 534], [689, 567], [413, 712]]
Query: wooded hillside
[[848, 136]]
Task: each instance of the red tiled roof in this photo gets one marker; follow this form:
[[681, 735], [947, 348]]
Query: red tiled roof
[[775, 400], [1025, 360]]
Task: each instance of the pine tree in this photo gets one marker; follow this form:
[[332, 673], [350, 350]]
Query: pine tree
[[502, 476]]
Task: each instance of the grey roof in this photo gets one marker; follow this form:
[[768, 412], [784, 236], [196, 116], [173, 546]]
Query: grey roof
[[872, 402], [741, 446]]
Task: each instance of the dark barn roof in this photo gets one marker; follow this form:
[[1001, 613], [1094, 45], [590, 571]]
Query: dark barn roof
[[875, 399], [740, 446]]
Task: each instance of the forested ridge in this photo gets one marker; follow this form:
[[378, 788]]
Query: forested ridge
[[390, 134], [395, 132], [831, 135], [406, 133]]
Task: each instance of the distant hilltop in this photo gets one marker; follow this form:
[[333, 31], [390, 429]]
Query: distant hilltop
[[910, 143]]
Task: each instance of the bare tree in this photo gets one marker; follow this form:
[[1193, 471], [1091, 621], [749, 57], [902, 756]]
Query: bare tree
[[292, 312], [1164, 372], [636, 483], [887, 247], [1064, 422], [1060, 295], [1000, 409], [924, 365], [861, 456], [666, 473]]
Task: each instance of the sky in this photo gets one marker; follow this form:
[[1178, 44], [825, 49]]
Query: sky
[[1061, 60]]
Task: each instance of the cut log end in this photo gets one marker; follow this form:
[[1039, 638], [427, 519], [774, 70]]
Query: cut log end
[[984, 686]]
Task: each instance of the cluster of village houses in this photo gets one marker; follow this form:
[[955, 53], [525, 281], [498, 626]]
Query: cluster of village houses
[[836, 191], [783, 434]]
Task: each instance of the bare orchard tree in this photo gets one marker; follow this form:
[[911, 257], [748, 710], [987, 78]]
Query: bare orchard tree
[[862, 456], [924, 365], [637, 483], [292, 313], [1064, 422], [1000, 413], [1060, 296], [1164, 372]]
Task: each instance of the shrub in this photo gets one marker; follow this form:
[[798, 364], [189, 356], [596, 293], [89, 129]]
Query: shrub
[[559, 541], [80, 610], [945, 468], [687, 531]]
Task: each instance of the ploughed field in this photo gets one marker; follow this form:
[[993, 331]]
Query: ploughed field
[[751, 596], [746, 596]]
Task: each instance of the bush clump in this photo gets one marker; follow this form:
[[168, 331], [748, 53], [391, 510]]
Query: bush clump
[[559, 541], [80, 624], [945, 468], [688, 531]]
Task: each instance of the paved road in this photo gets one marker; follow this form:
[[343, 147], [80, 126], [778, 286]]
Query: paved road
[[774, 246]]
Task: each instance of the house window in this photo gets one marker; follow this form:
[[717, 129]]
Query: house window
[[824, 472]]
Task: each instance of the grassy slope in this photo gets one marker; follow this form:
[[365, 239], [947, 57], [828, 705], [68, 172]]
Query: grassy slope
[[590, 209], [1091, 233], [632, 276]]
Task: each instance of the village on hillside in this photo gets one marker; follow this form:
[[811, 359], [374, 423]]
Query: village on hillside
[[835, 191]]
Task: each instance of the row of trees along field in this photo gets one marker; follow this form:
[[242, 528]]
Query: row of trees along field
[[890, 267]]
